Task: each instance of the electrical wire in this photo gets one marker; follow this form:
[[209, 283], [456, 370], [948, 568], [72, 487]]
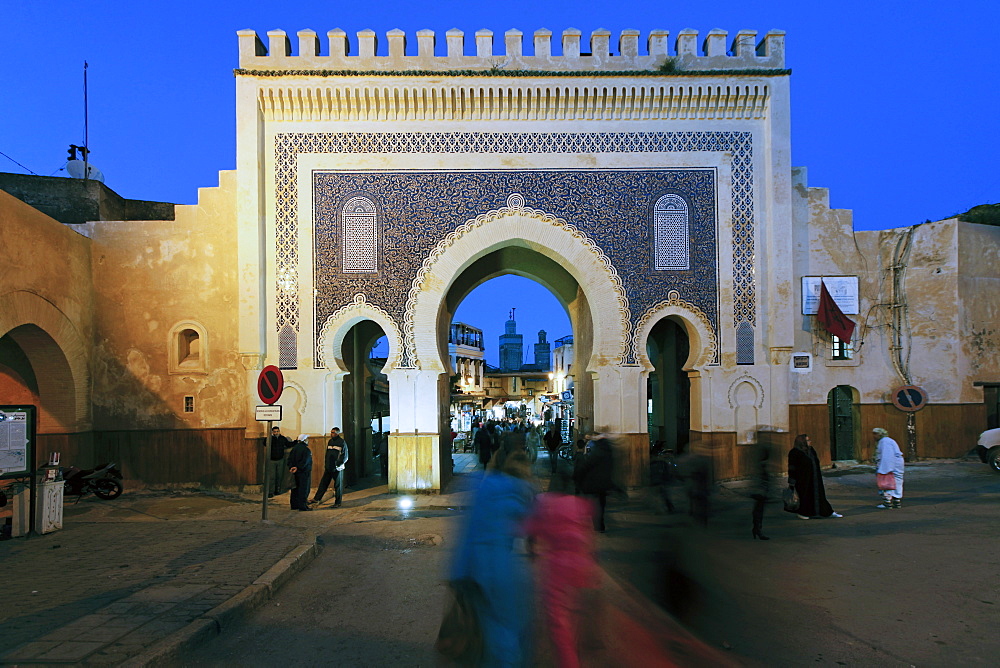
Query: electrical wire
[[16, 162]]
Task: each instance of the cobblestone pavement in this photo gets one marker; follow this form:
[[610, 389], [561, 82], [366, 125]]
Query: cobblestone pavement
[[127, 578], [124, 574]]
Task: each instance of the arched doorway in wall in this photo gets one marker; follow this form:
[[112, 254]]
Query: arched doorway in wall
[[668, 389], [365, 396], [845, 422], [531, 302], [34, 370]]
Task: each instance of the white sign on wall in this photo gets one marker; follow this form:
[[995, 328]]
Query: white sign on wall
[[843, 289], [801, 362]]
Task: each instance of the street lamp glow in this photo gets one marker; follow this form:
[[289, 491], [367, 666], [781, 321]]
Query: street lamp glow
[[405, 503]]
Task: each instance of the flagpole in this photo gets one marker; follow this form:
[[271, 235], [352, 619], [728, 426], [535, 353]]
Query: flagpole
[[86, 127]]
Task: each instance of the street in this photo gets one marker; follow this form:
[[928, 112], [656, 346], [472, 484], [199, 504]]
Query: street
[[904, 587]]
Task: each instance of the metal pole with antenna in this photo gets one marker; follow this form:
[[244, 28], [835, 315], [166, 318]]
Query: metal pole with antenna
[[86, 127]]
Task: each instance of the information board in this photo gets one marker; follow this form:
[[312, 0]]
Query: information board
[[843, 290], [17, 428]]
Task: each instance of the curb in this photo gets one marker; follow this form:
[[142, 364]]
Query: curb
[[224, 615]]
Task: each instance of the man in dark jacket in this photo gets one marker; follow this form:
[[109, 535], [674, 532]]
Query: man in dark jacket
[[279, 445], [594, 476], [333, 468], [300, 463]]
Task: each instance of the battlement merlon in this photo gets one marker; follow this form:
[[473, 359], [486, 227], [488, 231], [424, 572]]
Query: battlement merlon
[[742, 53]]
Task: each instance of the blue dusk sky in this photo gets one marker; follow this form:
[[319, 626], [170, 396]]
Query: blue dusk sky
[[894, 104]]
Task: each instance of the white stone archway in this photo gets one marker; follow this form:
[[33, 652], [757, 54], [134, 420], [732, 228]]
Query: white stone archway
[[335, 329], [516, 224], [703, 341]]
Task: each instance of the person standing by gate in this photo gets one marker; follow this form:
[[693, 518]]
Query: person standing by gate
[[276, 462], [300, 464], [333, 468]]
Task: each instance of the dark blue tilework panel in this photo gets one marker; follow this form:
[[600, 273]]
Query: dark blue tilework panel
[[417, 209]]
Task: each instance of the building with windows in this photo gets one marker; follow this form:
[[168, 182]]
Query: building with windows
[[645, 180]]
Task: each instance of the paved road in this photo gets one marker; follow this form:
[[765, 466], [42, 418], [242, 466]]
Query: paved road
[[876, 588]]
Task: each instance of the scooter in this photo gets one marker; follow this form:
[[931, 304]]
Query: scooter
[[105, 481]]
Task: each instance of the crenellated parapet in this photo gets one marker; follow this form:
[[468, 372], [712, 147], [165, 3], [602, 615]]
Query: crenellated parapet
[[687, 53]]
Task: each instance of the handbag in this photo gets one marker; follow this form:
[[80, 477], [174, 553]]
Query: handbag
[[460, 637], [791, 499], [885, 481]]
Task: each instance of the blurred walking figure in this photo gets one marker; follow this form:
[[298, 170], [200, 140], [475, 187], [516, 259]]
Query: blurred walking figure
[[805, 476], [552, 441], [561, 528], [487, 555], [889, 459], [594, 476], [762, 486]]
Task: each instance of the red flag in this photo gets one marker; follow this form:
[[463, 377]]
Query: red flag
[[832, 318]]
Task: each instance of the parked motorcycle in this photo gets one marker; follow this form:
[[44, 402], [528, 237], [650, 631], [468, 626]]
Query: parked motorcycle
[[105, 481]]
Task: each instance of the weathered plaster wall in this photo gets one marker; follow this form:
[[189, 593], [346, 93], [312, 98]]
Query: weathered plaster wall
[[979, 310], [149, 276], [45, 282]]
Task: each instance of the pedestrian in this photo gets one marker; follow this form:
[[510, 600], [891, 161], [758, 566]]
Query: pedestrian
[[383, 453], [276, 462], [889, 459], [487, 554], [333, 469], [562, 538], [805, 476], [579, 454], [761, 489], [300, 466], [484, 445], [595, 476], [552, 442]]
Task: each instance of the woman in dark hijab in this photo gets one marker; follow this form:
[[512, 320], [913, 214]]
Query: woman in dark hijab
[[805, 476]]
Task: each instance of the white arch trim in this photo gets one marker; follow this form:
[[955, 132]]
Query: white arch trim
[[703, 340], [543, 233], [750, 380], [335, 329]]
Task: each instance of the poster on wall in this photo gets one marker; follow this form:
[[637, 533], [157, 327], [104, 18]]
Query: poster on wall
[[843, 290], [17, 428]]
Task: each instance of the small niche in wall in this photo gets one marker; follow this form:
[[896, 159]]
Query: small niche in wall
[[188, 348], [189, 404]]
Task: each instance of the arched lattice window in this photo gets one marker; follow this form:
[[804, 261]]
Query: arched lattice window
[[671, 233], [360, 235]]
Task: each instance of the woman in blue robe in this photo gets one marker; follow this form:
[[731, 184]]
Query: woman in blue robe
[[489, 554]]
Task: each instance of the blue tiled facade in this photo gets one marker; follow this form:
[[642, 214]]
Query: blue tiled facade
[[417, 209]]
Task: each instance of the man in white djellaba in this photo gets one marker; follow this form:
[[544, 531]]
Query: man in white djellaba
[[889, 459]]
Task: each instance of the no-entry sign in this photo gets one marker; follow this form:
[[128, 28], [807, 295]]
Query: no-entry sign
[[269, 384]]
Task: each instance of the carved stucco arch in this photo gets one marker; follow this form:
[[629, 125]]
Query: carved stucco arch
[[544, 233], [26, 308], [701, 335], [753, 382], [340, 322]]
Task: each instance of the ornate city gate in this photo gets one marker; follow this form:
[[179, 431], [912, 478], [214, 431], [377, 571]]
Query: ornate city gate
[[383, 188]]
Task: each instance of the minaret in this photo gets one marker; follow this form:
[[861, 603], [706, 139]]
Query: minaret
[[543, 353], [511, 346]]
